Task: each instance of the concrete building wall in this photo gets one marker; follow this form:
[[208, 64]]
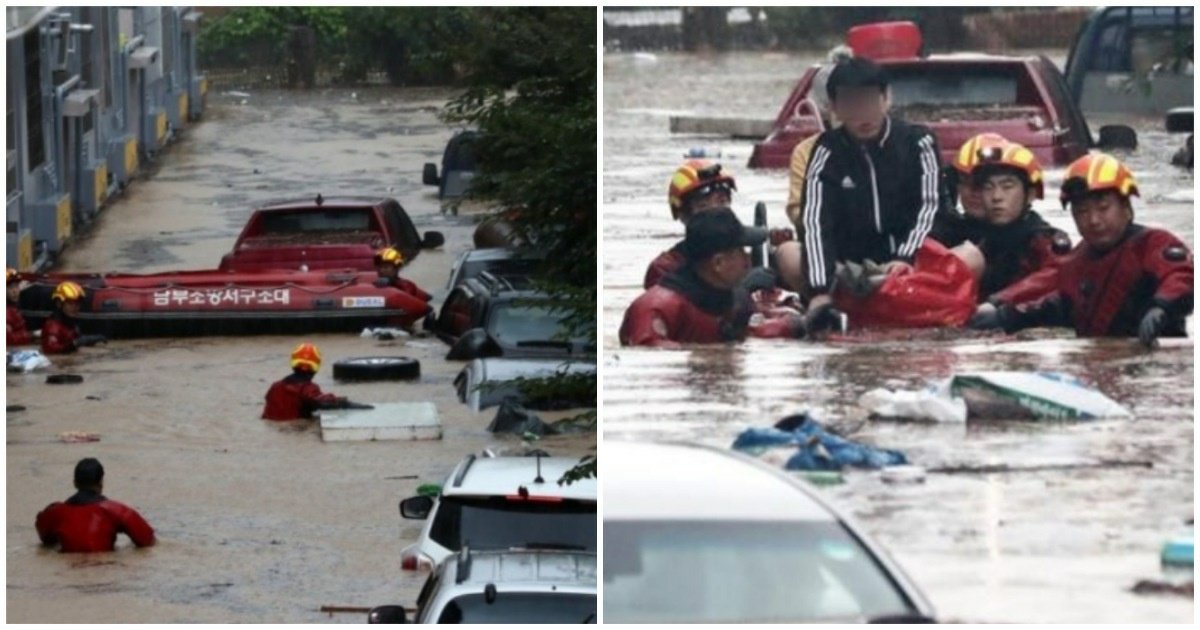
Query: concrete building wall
[[93, 93]]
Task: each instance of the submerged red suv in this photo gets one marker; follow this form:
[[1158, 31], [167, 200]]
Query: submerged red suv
[[957, 96]]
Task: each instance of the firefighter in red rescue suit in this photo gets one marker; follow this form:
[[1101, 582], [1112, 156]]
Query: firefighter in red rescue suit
[[1123, 280]]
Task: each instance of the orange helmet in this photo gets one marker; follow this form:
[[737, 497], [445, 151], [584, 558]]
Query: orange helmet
[[968, 154], [13, 276], [696, 177], [389, 255], [1094, 172], [1014, 156], [67, 292], [306, 356]]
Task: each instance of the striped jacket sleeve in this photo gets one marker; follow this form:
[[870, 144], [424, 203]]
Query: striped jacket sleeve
[[927, 153], [819, 246]]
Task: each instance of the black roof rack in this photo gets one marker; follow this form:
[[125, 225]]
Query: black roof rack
[[458, 479]]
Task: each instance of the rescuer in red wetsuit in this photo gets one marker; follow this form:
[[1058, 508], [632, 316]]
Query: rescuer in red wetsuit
[[60, 333], [704, 302], [696, 186], [1123, 280], [89, 521], [296, 396], [1021, 250], [388, 262], [18, 334]]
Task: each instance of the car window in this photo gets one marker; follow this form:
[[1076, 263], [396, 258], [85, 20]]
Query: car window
[[956, 85], [521, 608], [501, 523], [341, 220], [512, 323], [742, 572], [407, 239], [507, 267]]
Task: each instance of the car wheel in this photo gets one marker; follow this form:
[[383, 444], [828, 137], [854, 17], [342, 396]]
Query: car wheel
[[377, 369]]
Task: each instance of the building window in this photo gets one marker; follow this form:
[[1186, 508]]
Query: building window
[[33, 98]]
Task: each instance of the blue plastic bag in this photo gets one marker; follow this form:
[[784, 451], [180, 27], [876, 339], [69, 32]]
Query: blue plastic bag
[[816, 448]]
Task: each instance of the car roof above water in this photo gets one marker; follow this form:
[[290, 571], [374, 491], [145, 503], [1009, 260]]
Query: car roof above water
[[502, 476], [648, 481]]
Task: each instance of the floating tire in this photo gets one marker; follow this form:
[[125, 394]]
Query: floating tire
[[377, 369]]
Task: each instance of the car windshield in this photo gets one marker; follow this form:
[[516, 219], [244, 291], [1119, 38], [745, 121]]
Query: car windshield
[[741, 572], [505, 267], [333, 220], [503, 523], [517, 323], [954, 86], [521, 608]]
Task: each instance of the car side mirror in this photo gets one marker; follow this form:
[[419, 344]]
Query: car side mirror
[[473, 344], [387, 614], [429, 176], [433, 240], [1121, 137], [1180, 120], [417, 507]]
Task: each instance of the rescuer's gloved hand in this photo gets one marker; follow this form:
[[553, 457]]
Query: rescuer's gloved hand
[[759, 279], [1153, 323], [823, 316], [986, 317]]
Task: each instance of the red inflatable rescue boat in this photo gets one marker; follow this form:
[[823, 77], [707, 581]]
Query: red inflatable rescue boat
[[224, 303]]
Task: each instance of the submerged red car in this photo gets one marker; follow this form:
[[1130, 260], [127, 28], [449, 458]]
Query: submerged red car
[[1024, 99]]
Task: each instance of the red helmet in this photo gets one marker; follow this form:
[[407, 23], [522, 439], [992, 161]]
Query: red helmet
[[696, 177], [306, 356], [1094, 172]]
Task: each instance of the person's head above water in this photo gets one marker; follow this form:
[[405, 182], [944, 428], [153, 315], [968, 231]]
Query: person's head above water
[[1009, 178], [89, 474], [699, 186], [715, 246], [858, 95], [1099, 189]]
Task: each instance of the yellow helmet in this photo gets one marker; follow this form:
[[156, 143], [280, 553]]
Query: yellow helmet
[[696, 177], [1094, 172], [389, 255], [67, 292], [968, 154], [306, 355], [1013, 156], [13, 276]]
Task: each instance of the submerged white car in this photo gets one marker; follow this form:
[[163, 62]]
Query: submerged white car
[[515, 586], [491, 503], [694, 534]]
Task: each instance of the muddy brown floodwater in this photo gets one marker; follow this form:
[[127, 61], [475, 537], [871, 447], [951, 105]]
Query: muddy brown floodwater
[[1047, 546], [257, 521]]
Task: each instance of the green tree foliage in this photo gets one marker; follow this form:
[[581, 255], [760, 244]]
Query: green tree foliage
[[258, 35], [530, 78]]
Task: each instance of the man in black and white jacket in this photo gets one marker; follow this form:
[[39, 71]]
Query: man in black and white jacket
[[872, 187]]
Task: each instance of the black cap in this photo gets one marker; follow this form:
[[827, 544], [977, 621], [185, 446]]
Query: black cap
[[714, 231], [855, 72]]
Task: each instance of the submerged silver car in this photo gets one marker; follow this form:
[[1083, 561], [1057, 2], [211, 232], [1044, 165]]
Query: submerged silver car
[[694, 534]]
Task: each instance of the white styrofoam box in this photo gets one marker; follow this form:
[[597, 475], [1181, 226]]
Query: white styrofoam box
[[387, 421]]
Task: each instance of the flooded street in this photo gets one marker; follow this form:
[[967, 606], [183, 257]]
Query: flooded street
[[257, 521], [1026, 546]]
